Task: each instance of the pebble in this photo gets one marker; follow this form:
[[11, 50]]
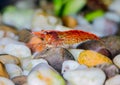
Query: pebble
[[92, 58], [13, 70], [20, 51], [113, 81], [113, 16], [9, 59], [43, 74], [41, 20], [28, 64], [69, 65], [91, 76], [3, 72], [116, 60], [109, 69], [115, 6], [5, 81], [104, 27]]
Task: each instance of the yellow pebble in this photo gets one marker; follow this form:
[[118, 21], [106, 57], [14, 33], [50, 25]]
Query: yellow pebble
[[92, 58], [3, 71]]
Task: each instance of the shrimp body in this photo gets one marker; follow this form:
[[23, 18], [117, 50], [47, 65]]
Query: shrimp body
[[51, 38]]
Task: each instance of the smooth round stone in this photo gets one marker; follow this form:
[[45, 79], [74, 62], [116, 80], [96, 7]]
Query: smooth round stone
[[113, 81], [116, 60], [91, 76]]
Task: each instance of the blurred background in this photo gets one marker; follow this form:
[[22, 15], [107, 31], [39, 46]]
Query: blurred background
[[101, 17]]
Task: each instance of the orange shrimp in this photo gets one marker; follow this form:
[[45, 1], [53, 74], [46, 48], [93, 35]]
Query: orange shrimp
[[51, 38]]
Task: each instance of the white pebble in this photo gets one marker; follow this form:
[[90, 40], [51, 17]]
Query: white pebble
[[43, 74], [1, 33], [116, 60], [62, 28], [5, 81], [12, 35], [41, 21], [4, 41], [13, 70], [82, 21], [71, 65], [104, 27], [20, 51], [75, 53], [112, 16], [52, 20], [8, 34], [28, 64], [113, 81], [2, 49], [115, 6], [91, 76]]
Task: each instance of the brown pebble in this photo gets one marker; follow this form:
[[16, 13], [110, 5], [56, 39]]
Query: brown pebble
[[3, 71], [69, 21], [20, 80]]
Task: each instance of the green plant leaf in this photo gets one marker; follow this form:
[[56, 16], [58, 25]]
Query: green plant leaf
[[73, 6], [57, 6], [95, 14]]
